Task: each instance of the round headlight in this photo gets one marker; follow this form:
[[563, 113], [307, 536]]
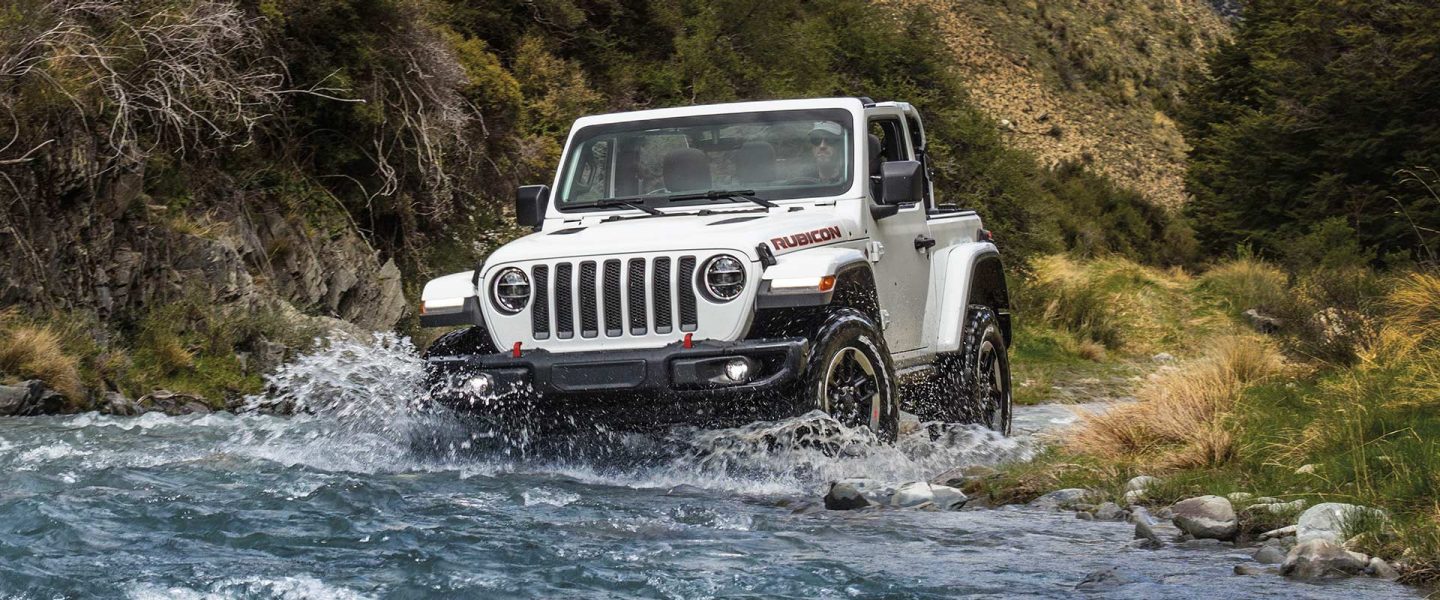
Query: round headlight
[[511, 291], [724, 277]]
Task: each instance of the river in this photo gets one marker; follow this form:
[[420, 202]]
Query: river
[[354, 501]]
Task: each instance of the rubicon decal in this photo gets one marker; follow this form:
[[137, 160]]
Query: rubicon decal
[[805, 239]]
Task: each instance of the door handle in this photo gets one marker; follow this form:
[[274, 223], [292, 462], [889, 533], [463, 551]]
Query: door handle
[[924, 242]]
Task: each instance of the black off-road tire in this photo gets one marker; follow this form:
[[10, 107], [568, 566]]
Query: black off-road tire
[[842, 343], [973, 385], [460, 342]]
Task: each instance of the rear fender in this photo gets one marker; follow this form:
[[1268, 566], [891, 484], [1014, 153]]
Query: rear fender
[[973, 274]]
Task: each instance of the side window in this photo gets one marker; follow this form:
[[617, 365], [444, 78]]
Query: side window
[[891, 140], [917, 141]]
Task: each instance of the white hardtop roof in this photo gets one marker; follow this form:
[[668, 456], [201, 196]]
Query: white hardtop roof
[[718, 109]]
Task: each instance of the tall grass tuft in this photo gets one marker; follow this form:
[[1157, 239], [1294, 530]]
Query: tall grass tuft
[[1180, 419], [1246, 283], [28, 351]]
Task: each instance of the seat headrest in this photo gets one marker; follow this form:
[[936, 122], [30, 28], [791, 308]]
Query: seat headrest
[[755, 163], [687, 170]]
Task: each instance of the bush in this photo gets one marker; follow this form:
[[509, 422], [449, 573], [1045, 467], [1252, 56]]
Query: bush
[[28, 351]]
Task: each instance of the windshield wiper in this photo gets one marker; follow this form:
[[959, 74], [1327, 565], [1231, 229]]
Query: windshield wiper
[[632, 202], [731, 195]]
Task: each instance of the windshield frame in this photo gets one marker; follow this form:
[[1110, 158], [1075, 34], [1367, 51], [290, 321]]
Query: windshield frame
[[843, 116]]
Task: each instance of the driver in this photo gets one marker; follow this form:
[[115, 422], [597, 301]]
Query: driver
[[825, 147]]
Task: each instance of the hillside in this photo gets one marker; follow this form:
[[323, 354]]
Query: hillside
[[1094, 82]]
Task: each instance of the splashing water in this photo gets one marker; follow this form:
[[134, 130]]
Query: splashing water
[[366, 493]]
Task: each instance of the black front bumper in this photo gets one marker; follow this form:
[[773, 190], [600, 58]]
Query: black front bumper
[[672, 371]]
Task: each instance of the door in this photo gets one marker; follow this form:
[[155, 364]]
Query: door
[[902, 275]]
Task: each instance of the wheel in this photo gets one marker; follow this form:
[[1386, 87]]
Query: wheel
[[974, 383], [849, 376]]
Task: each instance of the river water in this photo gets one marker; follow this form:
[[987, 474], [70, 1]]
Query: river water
[[370, 497]]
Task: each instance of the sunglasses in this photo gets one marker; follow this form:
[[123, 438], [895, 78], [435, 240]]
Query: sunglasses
[[820, 138]]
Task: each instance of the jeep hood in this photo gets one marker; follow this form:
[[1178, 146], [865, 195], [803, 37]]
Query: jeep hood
[[741, 231]]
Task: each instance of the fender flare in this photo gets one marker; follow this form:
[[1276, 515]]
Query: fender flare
[[972, 273], [807, 265]]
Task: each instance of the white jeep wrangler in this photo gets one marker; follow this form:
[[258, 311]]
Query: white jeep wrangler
[[718, 264]]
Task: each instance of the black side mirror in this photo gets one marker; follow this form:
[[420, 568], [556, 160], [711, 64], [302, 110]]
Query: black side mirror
[[530, 203], [902, 182]]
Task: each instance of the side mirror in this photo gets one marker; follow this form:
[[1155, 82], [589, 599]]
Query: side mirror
[[530, 203], [902, 182]]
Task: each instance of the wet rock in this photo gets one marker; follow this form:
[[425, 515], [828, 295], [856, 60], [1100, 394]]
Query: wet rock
[[1252, 570], [1322, 559], [849, 494], [1326, 521], [918, 493], [1262, 322], [1084, 516], [1146, 532], [1061, 499], [1109, 579], [172, 403], [1201, 544], [1110, 511], [1206, 517], [30, 398], [1269, 555], [116, 403], [12, 399], [1382, 570]]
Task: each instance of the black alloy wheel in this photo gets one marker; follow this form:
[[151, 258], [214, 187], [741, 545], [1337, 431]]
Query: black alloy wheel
[[973, 384], [849, 375]]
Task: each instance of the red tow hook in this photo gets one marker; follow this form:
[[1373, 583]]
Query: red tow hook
[[515, 350], [689, 341]]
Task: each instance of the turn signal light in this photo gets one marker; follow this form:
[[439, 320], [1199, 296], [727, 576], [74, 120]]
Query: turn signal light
[[827, 283]]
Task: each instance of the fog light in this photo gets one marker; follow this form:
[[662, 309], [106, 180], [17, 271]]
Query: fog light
[[737, 370], [480, 384]]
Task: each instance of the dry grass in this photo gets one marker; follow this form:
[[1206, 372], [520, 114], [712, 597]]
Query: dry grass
[[1180, 420], [1089, 350], [1113, 302], [1246, 283], [36, 352], [1415, 306]]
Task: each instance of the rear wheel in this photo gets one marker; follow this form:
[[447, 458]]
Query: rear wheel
[[974, 383], [849, 375]]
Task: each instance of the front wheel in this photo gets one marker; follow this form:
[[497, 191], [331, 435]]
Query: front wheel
[[849, 374], [974, 383]]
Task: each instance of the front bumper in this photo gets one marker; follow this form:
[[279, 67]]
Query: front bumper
[[669, 371]]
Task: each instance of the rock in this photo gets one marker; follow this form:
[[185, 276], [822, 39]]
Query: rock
[[1163, 358], [1262, 322], [1322, 559], [1109, 579], [1277, 508], [912, 494], [1084, 516], [1326, 521], [115, 403], [1269, 555], [948, 498], [1206, 517], [12, 399], [1140, 483], [172, 403], [1267, 500], [1380, 569], [1061, 499], [1110, 511], [1200, 544], [1134, 497], [1250, 570], [848, 494], [1305, 470], [1279, 533], [1238, 497], [1146, 531]]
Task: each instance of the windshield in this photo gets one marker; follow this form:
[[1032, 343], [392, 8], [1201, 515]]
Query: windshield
[[777, 154]]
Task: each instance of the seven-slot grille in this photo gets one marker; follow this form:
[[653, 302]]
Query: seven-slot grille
[[591, 293]]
